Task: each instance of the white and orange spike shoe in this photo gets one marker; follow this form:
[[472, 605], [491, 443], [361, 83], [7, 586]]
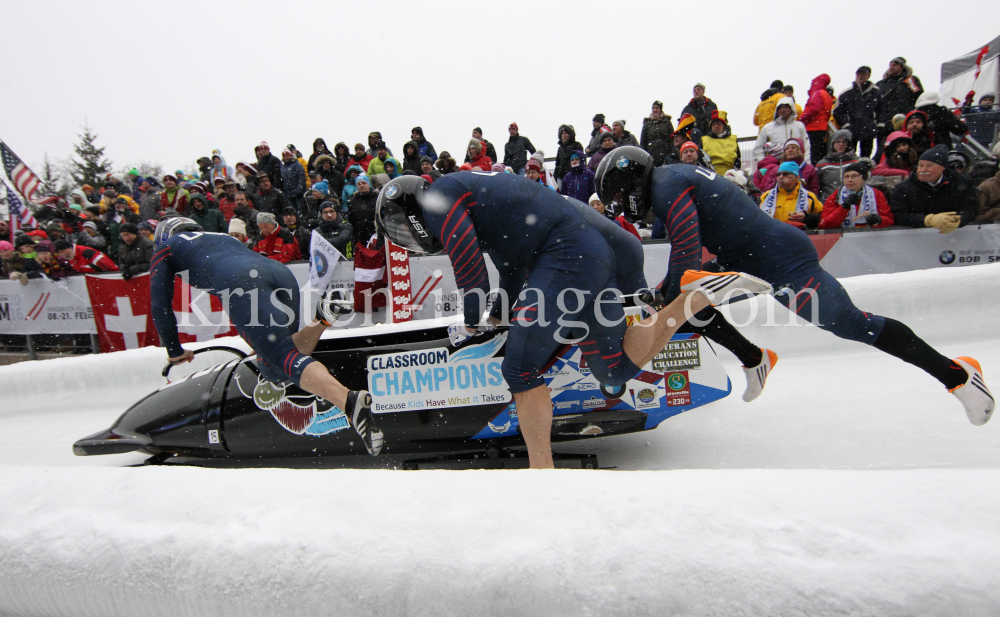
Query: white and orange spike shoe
[[974, 394], [723, 286], [757, 376]]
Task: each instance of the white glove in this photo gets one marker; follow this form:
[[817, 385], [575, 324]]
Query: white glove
[[458, 334]]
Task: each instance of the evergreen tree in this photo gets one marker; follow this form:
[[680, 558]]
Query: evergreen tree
[[53, 180], [92, 166]]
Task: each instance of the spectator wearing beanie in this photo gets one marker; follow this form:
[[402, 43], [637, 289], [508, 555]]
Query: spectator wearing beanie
[[135, 252], [477, 156], [919, 131], [115, 218], [269, 164], [244, 211], [655, 137], [238, 230], [720, 144], [293, 179], [173, 196], [300, 229], [446, 164], [516, 150], [326, 166], [567, 146], [268, 198], [622, 137], [276, 243], [768, 102], [578, 182], [210, 219], [424, 147], [691, 154], [10, 260], [855, 110], [789, 201], [595, 139], [361, 212], [794, 152], [427, 168], [607, 145], [934, 195], [45, 264], [898, 160], [350, 186], [477, 134], [334, 227], [361, 158], [149, 202], [377, 164], [84, 259], [816, 116], [899, 90], [533, 171], [701, 107], [855, 204], [831, 167], [316, 195], [373, 140]]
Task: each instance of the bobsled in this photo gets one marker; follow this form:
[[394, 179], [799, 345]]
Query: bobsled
[[430, 399]]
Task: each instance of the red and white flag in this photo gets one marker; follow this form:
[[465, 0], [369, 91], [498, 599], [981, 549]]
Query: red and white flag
[[25, 181], [123, 315]]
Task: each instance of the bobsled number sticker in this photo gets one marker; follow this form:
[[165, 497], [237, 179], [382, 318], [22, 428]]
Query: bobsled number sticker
[[437, 378]]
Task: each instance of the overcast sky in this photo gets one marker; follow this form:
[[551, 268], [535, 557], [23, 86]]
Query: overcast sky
[[170, 81]]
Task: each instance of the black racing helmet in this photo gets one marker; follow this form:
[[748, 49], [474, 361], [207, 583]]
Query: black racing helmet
[[400, 216], [627, 170]]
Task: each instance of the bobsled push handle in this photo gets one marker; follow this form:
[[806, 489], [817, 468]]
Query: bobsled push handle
[[170, 365]]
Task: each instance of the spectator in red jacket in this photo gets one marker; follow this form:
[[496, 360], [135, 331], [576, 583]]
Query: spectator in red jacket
[[478, 157], [816, 116], [360, 157], [856, 204], [900, 157], [277, 243], [83, 258], [794, 152]]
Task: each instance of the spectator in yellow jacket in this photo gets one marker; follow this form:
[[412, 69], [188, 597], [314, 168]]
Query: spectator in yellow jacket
[[720, 144], [768, 101], [790, 202], [110, 196]]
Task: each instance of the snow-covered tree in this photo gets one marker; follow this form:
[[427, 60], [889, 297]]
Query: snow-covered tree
[[92, 167]]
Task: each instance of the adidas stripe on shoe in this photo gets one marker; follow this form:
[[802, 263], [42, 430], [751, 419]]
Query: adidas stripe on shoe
[[757, 375], [359, 402], [721, 287], [974, 394]]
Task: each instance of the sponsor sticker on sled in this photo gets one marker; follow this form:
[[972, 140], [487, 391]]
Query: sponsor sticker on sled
[[646, 398], [678, 356], [438, 378], [678, 389]]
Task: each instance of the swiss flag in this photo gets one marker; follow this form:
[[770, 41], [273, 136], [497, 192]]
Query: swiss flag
[[123, 316]]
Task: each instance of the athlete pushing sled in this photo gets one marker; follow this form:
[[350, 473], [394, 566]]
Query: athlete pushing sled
[[249, 285], [701, 209], [568, 258]]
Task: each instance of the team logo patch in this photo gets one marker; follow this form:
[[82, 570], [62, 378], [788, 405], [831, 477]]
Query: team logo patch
[[392, 191], [624, 163]]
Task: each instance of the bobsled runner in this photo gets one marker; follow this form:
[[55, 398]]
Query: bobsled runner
[[430, 399]]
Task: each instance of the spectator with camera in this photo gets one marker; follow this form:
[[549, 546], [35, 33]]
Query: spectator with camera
[[854, 203]]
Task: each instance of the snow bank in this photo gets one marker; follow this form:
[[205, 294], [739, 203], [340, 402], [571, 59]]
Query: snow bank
[[174, 542]]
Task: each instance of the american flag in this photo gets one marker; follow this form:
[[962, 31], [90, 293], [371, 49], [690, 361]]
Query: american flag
[[24, 180], [20, 216]]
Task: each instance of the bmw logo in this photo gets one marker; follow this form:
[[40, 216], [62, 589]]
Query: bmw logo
[[392, 191], [946, 257], [624, 163], [321, 264]]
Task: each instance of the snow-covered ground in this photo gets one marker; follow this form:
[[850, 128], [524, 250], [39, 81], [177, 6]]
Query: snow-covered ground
[[854, 486]]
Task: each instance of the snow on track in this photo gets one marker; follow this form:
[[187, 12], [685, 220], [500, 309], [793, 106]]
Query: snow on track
[[854, 485]]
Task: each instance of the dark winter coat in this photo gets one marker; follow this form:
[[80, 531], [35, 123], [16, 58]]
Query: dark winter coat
[[943, 124], [302, 234], [426, 148], [339, 233], [897, 95], [341, 156], [210, 219], [597, 157], [912, 200], [149, 207], [332, 176], [57, 269], [578, 182], [702, 112], [411, 160], [565, 150], [627, 139], [274, 201], [831, 167], [249, 217], [293, 179], [857, 109], [272, 165], [515, 152], [319, 148], [655, 139], [361, 215], [595, 139], [134, 258]]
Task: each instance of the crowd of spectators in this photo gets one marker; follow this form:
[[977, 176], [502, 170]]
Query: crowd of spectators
[[812, 167]]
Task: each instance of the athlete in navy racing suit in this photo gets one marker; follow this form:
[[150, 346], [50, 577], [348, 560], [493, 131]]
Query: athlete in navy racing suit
[[701, 209], [566, 256], [261, 297]]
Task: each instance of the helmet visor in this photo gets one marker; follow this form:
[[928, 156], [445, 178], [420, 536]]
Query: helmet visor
[[398, 228]]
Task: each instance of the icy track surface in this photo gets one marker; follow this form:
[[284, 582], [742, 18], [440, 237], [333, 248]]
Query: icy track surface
[[854, 486]]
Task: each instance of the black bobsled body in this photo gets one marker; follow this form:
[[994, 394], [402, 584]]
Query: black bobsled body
[[429, 398]]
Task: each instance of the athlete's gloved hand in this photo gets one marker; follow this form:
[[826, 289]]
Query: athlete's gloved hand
[[946, 222], [874, 219], [851, 200], [458, 334]]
